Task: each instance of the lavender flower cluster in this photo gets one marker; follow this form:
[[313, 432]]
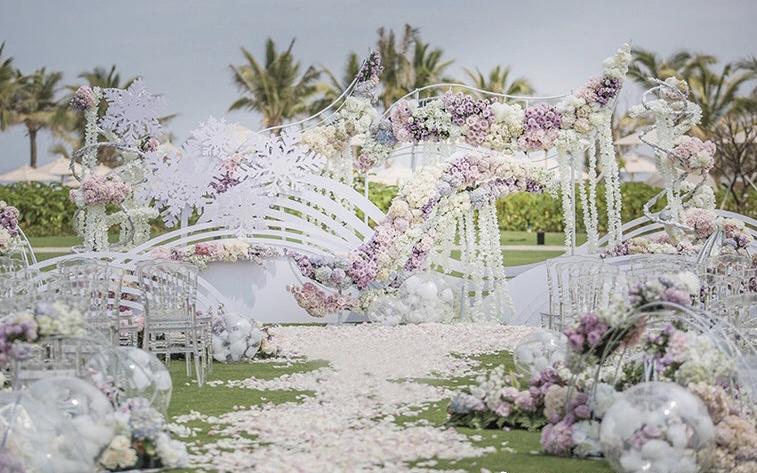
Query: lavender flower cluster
[[84, 98], [100, 190], [676, 288], [9, 219], [541, 126], [474, 116], [14, 335], [318, 303], [371, 69], [588, 334], [600, 90]]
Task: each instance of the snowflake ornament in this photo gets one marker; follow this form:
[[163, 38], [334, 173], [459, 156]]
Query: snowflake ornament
[[240, 209], [281, 162], [132, 113]]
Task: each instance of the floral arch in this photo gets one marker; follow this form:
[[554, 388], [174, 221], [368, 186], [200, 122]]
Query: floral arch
[[268, 186]]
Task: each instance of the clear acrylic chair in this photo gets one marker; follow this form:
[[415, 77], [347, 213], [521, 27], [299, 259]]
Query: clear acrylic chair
[[577, 285], [88, 285], [17, 286], [169, 293], [741, 312]]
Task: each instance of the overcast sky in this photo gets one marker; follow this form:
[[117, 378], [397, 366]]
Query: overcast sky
[[183, 48]]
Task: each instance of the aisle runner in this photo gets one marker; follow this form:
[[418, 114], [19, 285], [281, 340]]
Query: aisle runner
[[349, 425]]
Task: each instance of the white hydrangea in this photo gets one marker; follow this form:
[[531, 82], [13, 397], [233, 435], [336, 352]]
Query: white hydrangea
[[6, 241], [617, 65], [506, 128]]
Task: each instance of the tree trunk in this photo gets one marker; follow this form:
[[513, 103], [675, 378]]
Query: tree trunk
[[33, 147]]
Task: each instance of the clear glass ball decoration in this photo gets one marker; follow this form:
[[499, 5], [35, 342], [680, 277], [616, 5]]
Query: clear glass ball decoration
[[428, 297], [133, 373], [36, 437], [658, 427], [88, 409], [540, 350], [240, 338], [387, 310]]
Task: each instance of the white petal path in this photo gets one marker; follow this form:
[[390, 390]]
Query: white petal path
[[349, 424]]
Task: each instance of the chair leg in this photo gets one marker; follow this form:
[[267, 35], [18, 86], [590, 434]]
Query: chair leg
[[198, 370]]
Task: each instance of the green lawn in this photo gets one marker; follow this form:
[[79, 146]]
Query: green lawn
[[516, 258], [54, 241], [516, 451], [507, 237]]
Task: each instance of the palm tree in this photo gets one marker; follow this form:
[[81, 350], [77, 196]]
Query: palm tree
[[34, 106], [398, 72], [275, 89], [8, 86], [498, 81], [106, 79], [428, 67], [718, 93], [646, 64], [73, 122], [333, 87]]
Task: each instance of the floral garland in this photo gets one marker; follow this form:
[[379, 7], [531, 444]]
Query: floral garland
[[416, 219], [9, 229], [223, 251]]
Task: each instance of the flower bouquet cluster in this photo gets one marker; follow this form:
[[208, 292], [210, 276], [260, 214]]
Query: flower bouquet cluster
[[9, 230], [318, 303], [677, 288], [500, 400], [223, 251], [142, 440], [19, 332], [100, 190], [694, 155], [675, 354], [369, 75]]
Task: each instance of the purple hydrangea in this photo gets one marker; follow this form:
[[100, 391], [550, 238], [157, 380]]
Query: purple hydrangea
[[84, 98], [541, 124]]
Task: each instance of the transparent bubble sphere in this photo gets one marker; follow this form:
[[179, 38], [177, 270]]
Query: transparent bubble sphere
[[387, 310], [37, 437], [658, 427], [540, 350], [428, 297], [135, 373], [88, 409]]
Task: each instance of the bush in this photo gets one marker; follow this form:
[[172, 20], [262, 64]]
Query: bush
[[47, 211]]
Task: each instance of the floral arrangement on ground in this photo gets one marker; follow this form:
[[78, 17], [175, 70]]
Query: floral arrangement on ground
[[569, 401]]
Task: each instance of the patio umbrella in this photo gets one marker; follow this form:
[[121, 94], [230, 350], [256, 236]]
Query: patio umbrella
[[634, 139], [60, 167], [27, 173]]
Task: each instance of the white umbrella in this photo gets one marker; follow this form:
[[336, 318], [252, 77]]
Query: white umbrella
[[27, 173], [635, 139], [60, 167], [634, 163]]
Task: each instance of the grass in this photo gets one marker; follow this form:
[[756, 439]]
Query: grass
[[515, 451], [54, 241], [516, 258], [507, 237]]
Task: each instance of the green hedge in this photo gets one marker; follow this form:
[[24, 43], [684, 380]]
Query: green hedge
[[46, 210]]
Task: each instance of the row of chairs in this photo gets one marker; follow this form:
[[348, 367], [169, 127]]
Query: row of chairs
[[580, 284], [153, 306]]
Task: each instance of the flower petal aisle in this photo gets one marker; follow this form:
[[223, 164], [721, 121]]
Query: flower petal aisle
[[379, 404]]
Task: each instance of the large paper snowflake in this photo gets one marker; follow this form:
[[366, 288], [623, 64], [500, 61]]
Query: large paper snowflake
[[132, 113], [240, 209], [185, 178], [281, 162]]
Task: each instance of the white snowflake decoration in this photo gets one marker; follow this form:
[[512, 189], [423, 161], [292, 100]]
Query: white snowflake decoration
[[240, 209], [281, 162], [184, 179], [132, 113]]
